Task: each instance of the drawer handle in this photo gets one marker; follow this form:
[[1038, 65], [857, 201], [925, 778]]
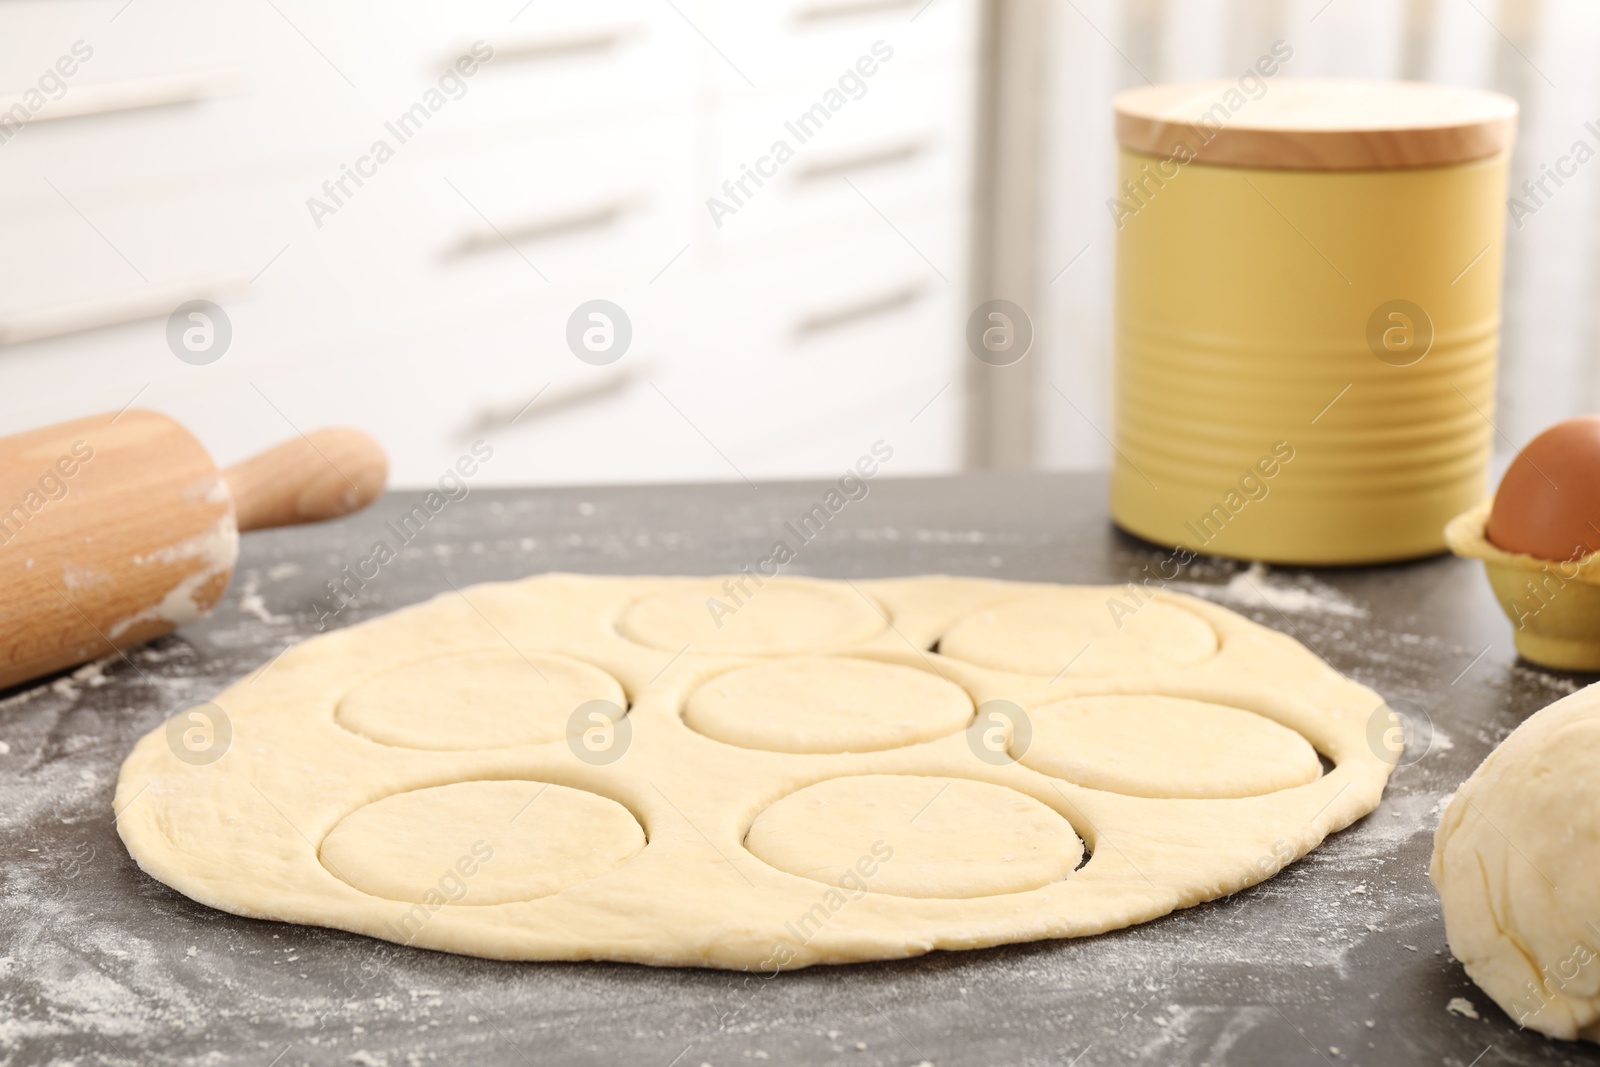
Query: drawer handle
[[565, 46], [554, 398], [135, 94], [830, 10], [865, 159], [486, 237], [835, 318], [154, 302]]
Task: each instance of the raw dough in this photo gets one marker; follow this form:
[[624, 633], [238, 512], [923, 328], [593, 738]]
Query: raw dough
[[480, 842], [1149, 746], [833, 704], [346, 797], [513, 700], [745, 617], [952, 837], [1516, 861], [1082, 631]]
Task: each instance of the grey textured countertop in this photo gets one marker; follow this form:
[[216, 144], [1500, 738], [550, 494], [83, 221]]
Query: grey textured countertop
[[1340, 959]]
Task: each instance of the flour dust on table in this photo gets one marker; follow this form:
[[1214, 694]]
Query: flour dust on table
[[641, 769]]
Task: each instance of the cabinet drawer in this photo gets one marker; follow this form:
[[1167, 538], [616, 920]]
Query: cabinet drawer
[[614, 198], [902, 148], [113, 250], [801, 360], [569, 65], [811, 43], [173, 90], [119, 40]]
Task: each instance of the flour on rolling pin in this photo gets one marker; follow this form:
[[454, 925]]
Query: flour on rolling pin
[[216, 550], [144, 538]]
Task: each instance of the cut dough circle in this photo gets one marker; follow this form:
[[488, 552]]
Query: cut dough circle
[[827, 704], [916, 836], [493, 698], [782, 616], [1516, 861], [1157, 746], [1079, 633], [487, 842]]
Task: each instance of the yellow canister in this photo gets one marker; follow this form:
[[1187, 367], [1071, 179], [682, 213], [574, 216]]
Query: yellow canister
[[1307, 314]]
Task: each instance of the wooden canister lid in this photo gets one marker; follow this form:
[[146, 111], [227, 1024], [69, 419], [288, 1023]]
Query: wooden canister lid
[[1315, 124]]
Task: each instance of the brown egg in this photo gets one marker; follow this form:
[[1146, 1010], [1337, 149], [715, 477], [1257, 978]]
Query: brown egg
[[1548, 504]]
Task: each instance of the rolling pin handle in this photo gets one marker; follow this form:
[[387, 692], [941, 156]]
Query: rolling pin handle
[[324, 474]]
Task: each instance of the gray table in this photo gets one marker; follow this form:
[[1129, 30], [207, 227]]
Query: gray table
[[1345, 950]]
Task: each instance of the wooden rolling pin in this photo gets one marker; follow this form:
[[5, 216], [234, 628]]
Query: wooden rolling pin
[[118, 528]]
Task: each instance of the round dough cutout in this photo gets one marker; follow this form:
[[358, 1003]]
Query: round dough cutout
[[1167, 747], [785, 616], [493, 698], [1045, 632], [813, 705], [916, 836], [483, 842]]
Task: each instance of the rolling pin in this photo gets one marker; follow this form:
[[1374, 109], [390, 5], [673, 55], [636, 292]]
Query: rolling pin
[[118, 528]]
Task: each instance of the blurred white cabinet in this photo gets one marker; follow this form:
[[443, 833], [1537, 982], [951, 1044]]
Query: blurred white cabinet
[[399, 206]]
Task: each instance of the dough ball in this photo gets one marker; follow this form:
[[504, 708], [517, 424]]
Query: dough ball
[[1516, 861], [827, 704]]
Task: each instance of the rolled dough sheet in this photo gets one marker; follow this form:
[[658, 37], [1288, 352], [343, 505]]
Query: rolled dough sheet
[[708, 772]]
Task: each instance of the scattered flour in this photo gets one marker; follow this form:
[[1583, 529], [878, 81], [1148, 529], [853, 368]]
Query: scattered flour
[[251, 602], [91, 674], [23, 697], [1255, 588]]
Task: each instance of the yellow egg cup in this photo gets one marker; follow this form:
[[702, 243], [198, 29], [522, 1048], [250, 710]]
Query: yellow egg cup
[[1553, 605]]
